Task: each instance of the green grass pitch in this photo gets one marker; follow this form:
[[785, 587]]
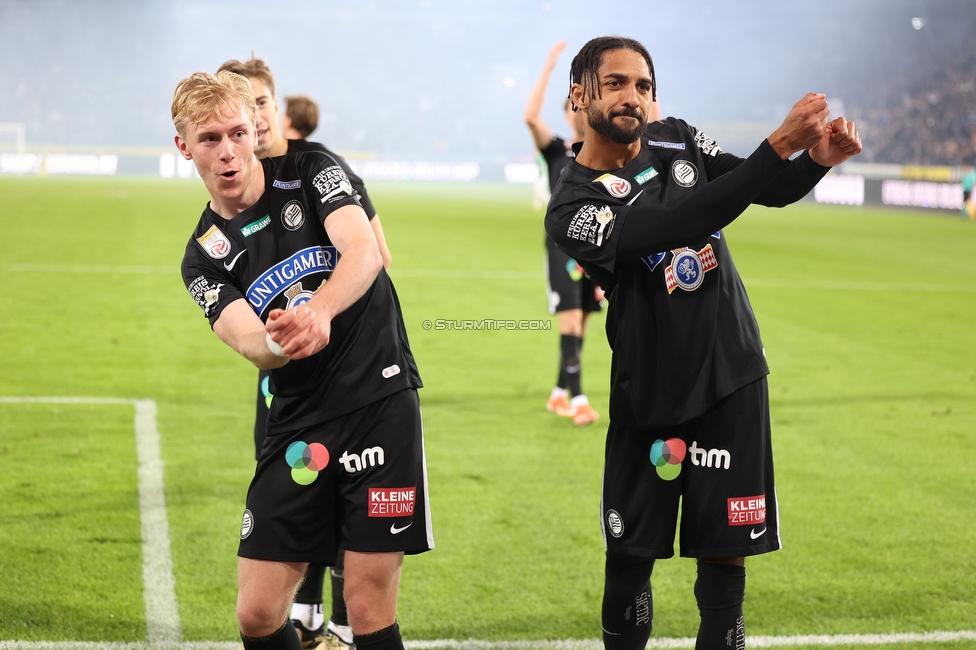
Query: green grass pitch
[[869, 322]]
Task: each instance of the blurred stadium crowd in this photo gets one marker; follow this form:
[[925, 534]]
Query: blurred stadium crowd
[[932, 122]]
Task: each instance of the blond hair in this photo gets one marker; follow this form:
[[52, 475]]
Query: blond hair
[[202, 95]]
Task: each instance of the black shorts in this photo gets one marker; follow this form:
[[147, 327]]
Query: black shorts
[[358, 482], [566, 285], [720, 467]]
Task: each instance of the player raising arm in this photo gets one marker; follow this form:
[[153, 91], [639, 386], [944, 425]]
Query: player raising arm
[[642, 209]]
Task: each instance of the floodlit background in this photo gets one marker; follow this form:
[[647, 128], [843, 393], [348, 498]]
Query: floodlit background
[[443, 80]]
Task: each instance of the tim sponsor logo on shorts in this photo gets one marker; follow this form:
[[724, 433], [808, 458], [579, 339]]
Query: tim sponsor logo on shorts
[[369, 458], [747, 511], [392, 502], [709, 457]]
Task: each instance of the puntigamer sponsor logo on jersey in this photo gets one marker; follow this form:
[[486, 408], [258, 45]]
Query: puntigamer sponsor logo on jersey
[[392, 502], [257, 226], [296, 294], [746, 511], [273, 282], [357, 462], [617, 186], [645, 175], [707, 145], [687, 269], [592, 224], [215, 243], [332, 182], [287, 185], [680, 146]]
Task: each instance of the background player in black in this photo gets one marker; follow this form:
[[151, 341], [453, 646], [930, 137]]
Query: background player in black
[[306, 613], [571, 294], [301, 117], [641, 207], [333, 376]]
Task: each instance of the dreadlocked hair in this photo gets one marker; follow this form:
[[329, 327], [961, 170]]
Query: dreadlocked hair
[[586, 64]]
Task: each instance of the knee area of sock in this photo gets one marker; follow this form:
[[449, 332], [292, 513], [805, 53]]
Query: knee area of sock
[[720, 586], [621, 565]]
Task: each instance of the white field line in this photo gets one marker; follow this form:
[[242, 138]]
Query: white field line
[[162, 615], [159, 592], [569, 644], [475, 274]]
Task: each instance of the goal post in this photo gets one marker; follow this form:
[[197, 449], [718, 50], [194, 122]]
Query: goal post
[[13, 137]]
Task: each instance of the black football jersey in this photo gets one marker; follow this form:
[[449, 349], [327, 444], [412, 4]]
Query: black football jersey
[[276, 254], [354, 179], [557, 155], [679, 322]]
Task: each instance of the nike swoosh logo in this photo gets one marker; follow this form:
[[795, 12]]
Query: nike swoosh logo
[[753, 534], [230, 266], [394, 530]]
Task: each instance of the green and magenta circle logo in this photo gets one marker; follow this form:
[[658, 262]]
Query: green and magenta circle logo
[[306, 461], [574, 270], [666, 456]]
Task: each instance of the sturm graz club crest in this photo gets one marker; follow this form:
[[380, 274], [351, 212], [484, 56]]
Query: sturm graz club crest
[[684, 173], [615, 524], [292, 215], [247, 524]]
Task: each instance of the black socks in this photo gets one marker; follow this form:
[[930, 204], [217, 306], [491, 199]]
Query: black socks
[[569, 364], [628, 610], [285, 638], [720, 590], [310, 591], [386, 639]]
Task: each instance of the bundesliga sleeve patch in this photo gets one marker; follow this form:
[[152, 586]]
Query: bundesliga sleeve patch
[[592, 224], [215, 243], [332, 183], [618, 187]]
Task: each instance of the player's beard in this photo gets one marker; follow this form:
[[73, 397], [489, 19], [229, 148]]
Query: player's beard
[[605, 126]]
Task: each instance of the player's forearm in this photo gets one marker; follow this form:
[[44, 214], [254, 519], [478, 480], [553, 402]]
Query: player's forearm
[[354, 274], [794, 183], [533, 108], [651, 228], [247, 340], [257, 350]]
